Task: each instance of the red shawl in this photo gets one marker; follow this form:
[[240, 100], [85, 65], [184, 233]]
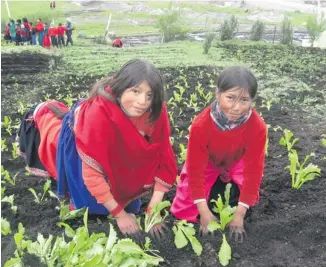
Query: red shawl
[[108, 141]]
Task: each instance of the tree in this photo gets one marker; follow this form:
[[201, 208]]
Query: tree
[[315, 28]]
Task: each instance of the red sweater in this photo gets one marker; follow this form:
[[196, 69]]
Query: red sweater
[[224, 148], [61, 30], [53, 31]]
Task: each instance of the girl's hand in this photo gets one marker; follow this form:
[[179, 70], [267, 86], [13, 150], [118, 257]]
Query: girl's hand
[[127, 223], [206, 216], [237, 224]]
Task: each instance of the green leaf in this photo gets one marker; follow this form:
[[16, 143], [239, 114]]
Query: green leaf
[[160, 206], [36, 198], [224, 255], [112, 238], [46, 188], [68, 230], [147, 243], [73, 214], [14, 262], [195, 244], [213, 226], [5, 227], [180, 240]]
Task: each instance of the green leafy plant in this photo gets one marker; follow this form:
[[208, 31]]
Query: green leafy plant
[[184, 233], [5, 227], [155, 217], [300, 172], [6, 176], [183, 153], [14, 150], [226, 215], [7, 125], [46, 188], [10, 199], [21, 107], [4, 146], [287, 140], [323, 141]]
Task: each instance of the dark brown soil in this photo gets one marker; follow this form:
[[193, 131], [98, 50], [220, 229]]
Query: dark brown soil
[[286, 229]]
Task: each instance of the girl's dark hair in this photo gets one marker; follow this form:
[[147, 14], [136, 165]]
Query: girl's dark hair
[[25, 20], [133, 73], [237, 76], [19, 21]]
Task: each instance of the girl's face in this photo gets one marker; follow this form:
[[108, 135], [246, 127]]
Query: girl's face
[[234, 103], [38, 21], [137, 100]]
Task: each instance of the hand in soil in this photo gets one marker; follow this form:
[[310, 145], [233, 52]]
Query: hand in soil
[[127, 224], [237, 228], [157, 231], [205, 219]]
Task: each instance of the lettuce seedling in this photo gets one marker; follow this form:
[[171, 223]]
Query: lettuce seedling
[[6, 176], [286, 140], [10, 200], [226, 215], [4, 146], [183, 232], [5, 227], [155, 217], [299, 172], [7, 125], [46, 188]]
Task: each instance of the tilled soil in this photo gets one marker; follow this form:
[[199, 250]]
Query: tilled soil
[[286, 229]]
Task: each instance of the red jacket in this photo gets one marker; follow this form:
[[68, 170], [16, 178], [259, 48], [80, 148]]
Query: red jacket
[[224, 148], [117, 43], [61, 30], [53, 31], [27, 26], [39, 27], [7, 31]]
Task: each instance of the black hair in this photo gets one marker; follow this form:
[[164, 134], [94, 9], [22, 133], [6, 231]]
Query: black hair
[[25, 20], [19, 21], [133, 73], [237, 77], [60, 24]]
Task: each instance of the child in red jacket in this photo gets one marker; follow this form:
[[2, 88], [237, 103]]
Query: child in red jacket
[[226, 145], [61, 31], [53, 32]]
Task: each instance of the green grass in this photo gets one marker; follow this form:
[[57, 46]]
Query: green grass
[[34, 9], [100, 59], [297, 18]]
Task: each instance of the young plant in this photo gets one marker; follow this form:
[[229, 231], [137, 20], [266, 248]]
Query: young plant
[[46, 188], [286, 140], [14, 150], [226, 215], [155, 217], [7, 125], [5, 227], [21, 109], [4, 146], [299, 172], [183, 154], [323, 141], [10, 200], [184, 233], [6, 176]]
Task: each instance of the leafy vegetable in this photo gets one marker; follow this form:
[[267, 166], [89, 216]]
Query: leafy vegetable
[[183, 232], [5, 227], [10, 200], [46, 188], [299, 172], [155, 216], [286, 140]]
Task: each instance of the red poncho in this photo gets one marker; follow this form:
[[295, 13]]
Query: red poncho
[[108, 141]]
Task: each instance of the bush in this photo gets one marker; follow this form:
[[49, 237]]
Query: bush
[[286, 32], [228, 28], [315, 28], [170, 25], [257, 31], [209, 37]]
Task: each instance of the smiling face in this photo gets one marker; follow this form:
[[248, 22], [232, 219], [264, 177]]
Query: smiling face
[[137, 100], [234, 103]]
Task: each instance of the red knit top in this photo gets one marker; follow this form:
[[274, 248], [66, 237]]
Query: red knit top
[[224, 148]]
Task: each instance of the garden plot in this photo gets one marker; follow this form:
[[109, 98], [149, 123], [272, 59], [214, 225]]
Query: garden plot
[[287, 227]]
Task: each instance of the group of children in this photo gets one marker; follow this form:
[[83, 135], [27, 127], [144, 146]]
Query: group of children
[[114, 147], [23, 32]]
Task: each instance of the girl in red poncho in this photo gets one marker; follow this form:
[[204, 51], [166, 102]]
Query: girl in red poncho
[[110, 149], [226, 145]]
